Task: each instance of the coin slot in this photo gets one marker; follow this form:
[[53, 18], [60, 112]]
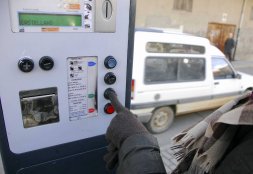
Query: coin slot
[[106, 14], [107, 9]]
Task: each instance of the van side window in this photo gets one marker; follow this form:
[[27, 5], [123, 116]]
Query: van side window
[[173, 69], [175, 48], [221, 69], [190, 69]]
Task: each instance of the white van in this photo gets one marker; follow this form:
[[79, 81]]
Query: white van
[[175, 73]]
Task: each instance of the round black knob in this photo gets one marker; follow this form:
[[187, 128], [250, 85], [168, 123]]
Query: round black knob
[[26, 65], [110, 62], [107, 92], [46, 63], [110, 78]]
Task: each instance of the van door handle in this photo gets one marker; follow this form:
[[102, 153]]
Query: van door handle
[[216, 83]]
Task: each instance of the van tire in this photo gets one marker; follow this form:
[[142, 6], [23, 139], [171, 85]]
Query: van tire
[[161, 120]]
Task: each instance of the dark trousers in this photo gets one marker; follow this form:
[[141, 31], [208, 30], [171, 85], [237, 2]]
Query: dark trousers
[[229, 56], [239, 158]]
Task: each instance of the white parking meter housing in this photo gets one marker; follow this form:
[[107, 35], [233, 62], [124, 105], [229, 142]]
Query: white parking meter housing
[[58, 57]]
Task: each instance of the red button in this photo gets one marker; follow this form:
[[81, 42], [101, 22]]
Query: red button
[[109, 109]]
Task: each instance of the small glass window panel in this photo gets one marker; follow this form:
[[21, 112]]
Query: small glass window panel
[[167, 70], [221, 69], [184, 5], [161, 70], [191, 69], [174, 48]]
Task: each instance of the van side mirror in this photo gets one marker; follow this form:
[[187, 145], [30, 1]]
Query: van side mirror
[[238, 76]]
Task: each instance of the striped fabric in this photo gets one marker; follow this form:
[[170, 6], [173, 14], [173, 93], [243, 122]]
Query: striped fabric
[[200, 148]]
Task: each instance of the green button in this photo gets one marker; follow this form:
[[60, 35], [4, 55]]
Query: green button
[[91, 95]]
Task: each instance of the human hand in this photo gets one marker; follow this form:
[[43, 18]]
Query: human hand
[[122, 126]]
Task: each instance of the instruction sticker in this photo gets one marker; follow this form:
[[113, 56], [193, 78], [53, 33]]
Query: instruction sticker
[[82, 86]]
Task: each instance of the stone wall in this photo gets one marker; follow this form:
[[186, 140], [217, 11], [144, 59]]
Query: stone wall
[[160, 14]]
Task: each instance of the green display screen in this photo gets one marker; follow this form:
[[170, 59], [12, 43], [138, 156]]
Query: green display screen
[[61, 20]]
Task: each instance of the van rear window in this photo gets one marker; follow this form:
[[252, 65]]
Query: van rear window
[[174, 69], [175, 48]]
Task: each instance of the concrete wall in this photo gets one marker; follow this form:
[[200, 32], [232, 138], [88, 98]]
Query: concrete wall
[[245, 48], [160, 13]]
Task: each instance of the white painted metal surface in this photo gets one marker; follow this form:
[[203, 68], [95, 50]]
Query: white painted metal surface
[[16, 44]]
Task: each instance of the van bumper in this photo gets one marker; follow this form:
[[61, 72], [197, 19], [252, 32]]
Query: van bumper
[[143, 115]]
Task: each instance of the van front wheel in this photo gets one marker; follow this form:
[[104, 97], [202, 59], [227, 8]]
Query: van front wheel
[[161, 120]]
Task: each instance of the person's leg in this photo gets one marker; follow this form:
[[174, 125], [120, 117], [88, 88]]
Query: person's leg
[[227, 56], [230, 56]]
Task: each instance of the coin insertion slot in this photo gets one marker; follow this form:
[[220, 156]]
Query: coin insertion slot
[[106, 15], [107, 9], [39, 107]]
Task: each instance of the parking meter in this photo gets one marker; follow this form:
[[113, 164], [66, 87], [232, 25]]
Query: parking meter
[[57, 59]]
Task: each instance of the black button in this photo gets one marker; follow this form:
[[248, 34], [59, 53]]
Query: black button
[[107, 92], [110, 62], [110, 78], [46, 63], [26, 65]]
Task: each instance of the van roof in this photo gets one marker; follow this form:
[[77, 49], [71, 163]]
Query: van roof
[[157, 34], [214, 51], [156, 30], [160, 30]]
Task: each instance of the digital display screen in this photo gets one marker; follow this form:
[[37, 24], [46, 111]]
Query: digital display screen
[[61, 20]]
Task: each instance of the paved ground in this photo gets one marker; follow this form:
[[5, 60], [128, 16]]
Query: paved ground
[[164, 139], [244, 66]]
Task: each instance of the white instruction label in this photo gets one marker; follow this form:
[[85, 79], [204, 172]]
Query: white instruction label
[[82, 85]]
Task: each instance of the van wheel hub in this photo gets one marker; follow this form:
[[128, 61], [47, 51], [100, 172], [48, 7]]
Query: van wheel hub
[[161, 120]]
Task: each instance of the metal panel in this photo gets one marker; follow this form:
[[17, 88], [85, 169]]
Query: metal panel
[[79, 144]]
